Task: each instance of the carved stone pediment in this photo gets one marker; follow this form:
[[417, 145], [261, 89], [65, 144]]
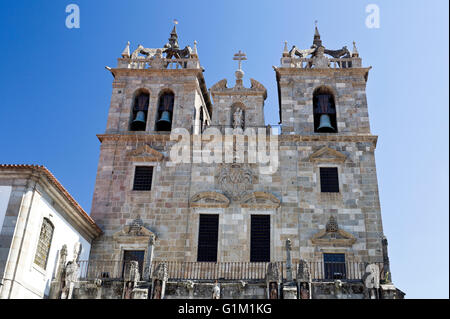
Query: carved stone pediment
[[327, 155], [333, 236], [134, 232], [260, 200], [145, 154], [209, 200]]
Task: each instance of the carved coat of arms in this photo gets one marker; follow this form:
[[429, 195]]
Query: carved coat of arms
[[234, 180]]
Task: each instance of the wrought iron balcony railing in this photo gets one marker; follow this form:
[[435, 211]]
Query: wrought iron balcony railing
[[208, 271]]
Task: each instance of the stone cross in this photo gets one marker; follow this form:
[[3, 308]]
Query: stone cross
[[240, 56], [288, 260]]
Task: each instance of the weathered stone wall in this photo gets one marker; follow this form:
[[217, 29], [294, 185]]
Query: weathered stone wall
[[304, 211], [184, 84], [230, 290]]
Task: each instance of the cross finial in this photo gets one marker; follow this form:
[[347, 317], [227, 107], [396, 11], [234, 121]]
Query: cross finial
[[240, 56]]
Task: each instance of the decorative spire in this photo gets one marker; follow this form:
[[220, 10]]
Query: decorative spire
[[285, 50], [317, 41], [173, 40], [355, 53], [194, 53], [126, 51]]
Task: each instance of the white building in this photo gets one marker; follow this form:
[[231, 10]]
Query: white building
[[37, 217]]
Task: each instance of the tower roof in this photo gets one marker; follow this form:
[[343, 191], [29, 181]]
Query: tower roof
[[317, 41]]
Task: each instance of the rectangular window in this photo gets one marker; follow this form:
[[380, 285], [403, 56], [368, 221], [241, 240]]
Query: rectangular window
[[334, 266], [260, 238], [143, 178], [134, 255], [208, 234], [329, 181]]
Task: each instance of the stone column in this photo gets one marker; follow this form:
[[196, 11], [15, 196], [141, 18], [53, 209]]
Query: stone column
[[273, 281], [304, 280], [159, 280], [288, 260], [149, 260], [387, 277]]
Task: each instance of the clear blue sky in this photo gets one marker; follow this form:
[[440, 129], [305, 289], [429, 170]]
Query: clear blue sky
[[55, 93]]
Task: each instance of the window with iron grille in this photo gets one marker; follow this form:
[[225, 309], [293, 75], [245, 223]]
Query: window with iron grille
[[329, 180], [207, 237], [143, 178], [334, 266], [260, 238], [134, 255], [44, 243]]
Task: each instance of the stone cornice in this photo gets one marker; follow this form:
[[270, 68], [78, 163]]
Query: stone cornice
[[117, 72], [73, 211], [281, 138], [256, 89], [328, 72]]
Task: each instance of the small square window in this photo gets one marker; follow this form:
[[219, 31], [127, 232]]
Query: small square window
[[329, 181], [143, 178]]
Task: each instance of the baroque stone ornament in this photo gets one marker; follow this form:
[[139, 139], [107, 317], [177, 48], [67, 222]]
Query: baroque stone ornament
[[303, 273], [160, 272], [273, 273], [235, 179], [332, 235], [131, 271]]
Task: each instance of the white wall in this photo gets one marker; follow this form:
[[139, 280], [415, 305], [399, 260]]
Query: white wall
[[35, 280], [5, 193]]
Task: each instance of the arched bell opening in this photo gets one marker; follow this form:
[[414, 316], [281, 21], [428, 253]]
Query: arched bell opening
[[165, 112], [140, 111], [324, 110]]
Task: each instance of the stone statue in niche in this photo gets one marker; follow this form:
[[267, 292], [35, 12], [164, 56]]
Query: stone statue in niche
[[157, 291], [216, 291], [128, 290], [304, 290], [238, 120], [273, 290]]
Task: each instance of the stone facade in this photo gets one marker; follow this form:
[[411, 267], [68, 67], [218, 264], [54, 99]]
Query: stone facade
[[291, 196]]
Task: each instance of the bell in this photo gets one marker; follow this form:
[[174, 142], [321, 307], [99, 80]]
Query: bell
[[139, 122], [325, 124], [164, 123]]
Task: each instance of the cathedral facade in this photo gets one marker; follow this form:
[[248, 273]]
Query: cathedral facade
[[284, 211]]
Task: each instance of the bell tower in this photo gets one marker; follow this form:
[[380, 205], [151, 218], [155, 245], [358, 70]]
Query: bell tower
[[322, 91], [323, 112], [155, 90]]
